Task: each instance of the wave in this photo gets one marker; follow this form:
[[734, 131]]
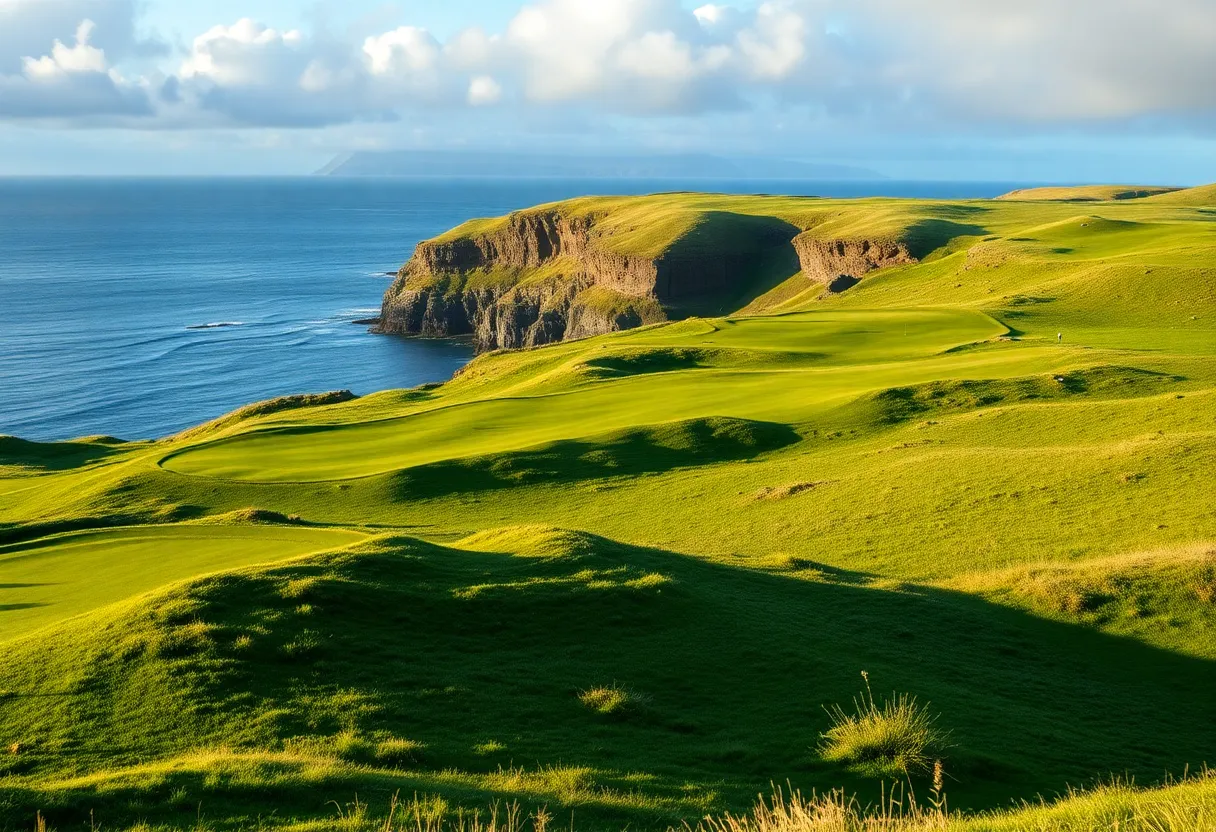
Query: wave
[[216, 325]]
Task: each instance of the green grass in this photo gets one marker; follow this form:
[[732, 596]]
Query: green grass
[[65, 575], [893, 739], [625, 576], [1088, 193]]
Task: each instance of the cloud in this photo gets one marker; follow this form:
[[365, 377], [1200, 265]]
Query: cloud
[[251, 74], [407, 50], [73, 81], [1034, 62], [890, 65], [484, 90], [63, 60], [29, 27]]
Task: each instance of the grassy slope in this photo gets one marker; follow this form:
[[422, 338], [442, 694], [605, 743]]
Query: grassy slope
[[910, 478], [1087, 193]]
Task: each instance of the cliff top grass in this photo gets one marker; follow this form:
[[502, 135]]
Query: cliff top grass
[[719, 522], [691, 223], [1087, 193]]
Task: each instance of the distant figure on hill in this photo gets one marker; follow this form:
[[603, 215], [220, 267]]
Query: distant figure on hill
[[1059, 337]]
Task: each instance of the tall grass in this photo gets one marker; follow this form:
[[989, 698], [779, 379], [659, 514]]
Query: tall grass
[[1189, 806], [1185, 806], [894, 737]]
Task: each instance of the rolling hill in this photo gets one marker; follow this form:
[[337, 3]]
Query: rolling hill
[[621, 573]]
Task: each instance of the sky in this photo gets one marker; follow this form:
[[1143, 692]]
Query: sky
[[997, 90]]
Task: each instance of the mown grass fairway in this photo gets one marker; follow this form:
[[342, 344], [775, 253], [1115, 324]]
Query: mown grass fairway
[[58, 577], [625, 576]]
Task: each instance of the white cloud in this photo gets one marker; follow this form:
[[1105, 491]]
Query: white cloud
[[407, 50], [775, 44], [72, 81], [710, 14], [484, 90], [244, 53], [63, 59], [894, 64], [29, 27]]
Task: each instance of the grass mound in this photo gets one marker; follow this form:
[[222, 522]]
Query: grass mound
[[54, 456], [619, 454], [899, 404], [1158, 596], [268, 408], [634, 362], [1203, 195], [325, 662], [893, 739]]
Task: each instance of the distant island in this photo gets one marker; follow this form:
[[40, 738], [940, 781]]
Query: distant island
[[538, 165]]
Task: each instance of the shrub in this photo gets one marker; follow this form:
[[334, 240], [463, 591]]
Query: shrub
[[895, 737]]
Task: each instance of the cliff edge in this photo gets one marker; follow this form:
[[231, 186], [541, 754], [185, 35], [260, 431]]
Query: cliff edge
[[595, 265]]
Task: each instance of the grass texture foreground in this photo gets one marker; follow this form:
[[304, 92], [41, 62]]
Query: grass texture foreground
[[635, 579]]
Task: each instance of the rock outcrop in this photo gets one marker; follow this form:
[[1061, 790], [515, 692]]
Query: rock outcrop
[[544, 275], [840, 264]]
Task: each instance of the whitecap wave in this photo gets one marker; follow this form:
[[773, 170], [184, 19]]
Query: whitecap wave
[[216, 325]]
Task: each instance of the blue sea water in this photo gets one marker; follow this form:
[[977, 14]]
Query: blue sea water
[[139, 307]]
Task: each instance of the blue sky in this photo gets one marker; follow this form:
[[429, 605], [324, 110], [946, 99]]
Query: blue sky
[[1014, 90]]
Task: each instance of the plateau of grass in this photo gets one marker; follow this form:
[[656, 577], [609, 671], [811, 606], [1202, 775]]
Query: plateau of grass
[[625, 576]]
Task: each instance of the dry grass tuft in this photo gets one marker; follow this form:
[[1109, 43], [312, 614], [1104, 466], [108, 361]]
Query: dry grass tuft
[[613, 699], [1203, 579], [892, 738]]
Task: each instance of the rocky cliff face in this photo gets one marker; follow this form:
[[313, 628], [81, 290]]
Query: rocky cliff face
[[540, 277], [840, 264]]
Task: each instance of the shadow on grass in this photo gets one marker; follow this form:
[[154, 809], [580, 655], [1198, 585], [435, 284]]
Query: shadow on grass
[[55, 456], [926, 236], [465, 650], [725, 262], [651, 449]]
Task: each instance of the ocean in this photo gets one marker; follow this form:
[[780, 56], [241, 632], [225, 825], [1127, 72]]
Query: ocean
[[139, 307]]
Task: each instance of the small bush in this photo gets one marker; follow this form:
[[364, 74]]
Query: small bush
[[895, 737], [612, 699]]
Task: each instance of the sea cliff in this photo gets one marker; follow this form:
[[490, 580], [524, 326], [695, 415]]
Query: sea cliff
[[581, 268]]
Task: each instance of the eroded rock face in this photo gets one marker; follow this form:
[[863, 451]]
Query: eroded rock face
[[436, 293], [541, 278], [827, 261]]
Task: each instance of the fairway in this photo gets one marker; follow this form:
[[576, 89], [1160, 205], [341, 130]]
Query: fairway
[[786, 368], [49, 580]]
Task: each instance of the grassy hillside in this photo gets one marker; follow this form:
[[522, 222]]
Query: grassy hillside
[[625, 576], [1087, 193]]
